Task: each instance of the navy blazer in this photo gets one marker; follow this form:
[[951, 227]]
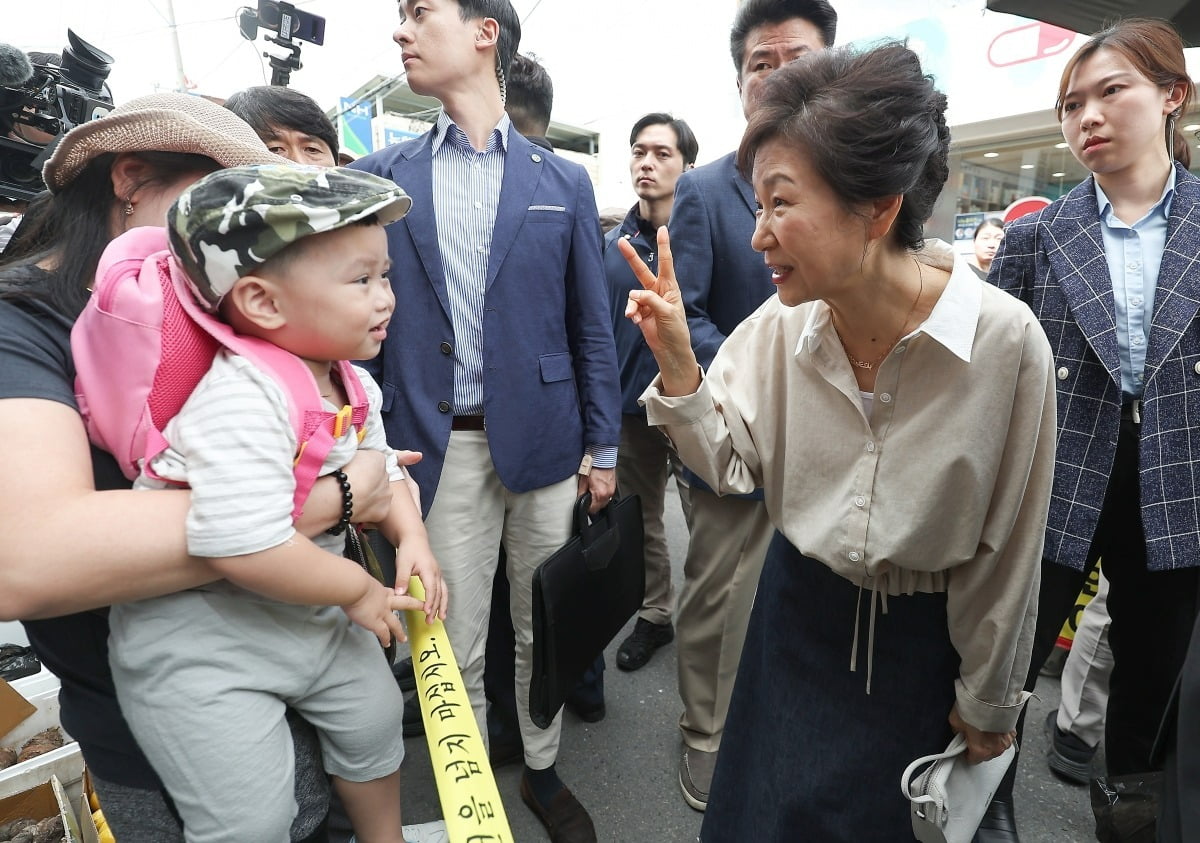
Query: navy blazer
[[1054, 261], [550, 371], [721, 278], [634, 359]]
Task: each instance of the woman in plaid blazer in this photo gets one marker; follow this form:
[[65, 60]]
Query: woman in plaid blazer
[[1111, 271]]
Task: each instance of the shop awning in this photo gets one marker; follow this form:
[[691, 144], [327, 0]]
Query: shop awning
[[1088, 16]]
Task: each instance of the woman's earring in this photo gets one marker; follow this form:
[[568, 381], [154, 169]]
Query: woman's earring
[[129, 207], [1171, 118]]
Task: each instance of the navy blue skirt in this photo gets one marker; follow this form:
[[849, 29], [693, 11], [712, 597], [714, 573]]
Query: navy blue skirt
[[807, 753]]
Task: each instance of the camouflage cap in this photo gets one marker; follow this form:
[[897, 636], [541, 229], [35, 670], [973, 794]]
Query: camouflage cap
[[231, 222]]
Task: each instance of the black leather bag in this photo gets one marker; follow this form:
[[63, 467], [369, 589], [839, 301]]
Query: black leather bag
[[582, 596], [358, 549], [1126, 807]]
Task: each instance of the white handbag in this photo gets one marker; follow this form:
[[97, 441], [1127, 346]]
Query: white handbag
[[949, 797]]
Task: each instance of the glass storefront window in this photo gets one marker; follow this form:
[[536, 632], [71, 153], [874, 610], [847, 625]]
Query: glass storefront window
[[987, 177], [991, 178]]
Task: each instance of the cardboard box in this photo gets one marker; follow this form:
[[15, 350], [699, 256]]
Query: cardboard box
[[41, 801], [20, 720], [14, 709], [87, 824]]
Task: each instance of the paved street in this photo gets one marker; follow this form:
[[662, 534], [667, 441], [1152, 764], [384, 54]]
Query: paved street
[[624, 768]]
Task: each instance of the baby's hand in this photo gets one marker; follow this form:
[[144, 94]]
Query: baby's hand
[[376, 610], [415, 557]]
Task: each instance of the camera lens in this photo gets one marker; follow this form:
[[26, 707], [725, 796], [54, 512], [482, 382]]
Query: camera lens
[[85, 65], [17, 172]]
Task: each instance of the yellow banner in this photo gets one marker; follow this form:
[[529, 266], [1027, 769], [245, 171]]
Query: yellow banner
[[1090, 589], [471, 803]]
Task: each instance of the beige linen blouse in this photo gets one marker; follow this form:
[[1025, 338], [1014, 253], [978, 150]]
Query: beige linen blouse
[[944, 488]]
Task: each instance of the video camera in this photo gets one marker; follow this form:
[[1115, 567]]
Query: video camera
[[35, 113], [288, 23]]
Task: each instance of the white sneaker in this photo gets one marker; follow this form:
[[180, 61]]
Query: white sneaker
[[434, 832]]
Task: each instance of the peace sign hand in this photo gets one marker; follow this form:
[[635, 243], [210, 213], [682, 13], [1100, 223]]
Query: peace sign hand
[[658, 311]]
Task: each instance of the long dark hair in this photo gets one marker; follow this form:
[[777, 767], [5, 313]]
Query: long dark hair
[[72, 230]]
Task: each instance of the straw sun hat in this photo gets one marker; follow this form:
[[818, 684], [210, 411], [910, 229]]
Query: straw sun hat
[[167, 122]]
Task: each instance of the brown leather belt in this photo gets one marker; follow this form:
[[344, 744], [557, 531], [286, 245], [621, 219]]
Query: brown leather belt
[[467, 423]]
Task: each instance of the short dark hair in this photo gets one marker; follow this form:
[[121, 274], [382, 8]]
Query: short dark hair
[[510, 26], [530, 96], [990, 222], [269, 108], [756, 13], [871, 122], [685, 138]]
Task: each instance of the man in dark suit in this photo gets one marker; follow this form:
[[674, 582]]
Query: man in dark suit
[[661, 149], [530, 99], [723, 280], [500, 366]]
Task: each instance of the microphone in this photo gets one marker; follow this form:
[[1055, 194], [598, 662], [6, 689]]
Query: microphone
[[15, 68]]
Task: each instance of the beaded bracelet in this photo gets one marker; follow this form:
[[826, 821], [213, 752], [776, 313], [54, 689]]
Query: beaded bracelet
[[347, 503]]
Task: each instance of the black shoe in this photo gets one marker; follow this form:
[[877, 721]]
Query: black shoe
[[566, 821], [504, 737], [589, 712], [501, 753], [999, 825], [1069, 757], [646, 637], [413, 725], [587, 697], [406, 678]]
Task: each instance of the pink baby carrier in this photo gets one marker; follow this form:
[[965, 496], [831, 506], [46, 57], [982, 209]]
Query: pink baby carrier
[[142, 345]]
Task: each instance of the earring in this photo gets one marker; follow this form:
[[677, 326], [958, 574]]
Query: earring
[[500, 79], [1170, 134], [128, 207]]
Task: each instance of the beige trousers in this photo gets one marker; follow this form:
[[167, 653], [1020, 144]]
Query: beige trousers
[[644, 465], [471, 515], [726, 550]]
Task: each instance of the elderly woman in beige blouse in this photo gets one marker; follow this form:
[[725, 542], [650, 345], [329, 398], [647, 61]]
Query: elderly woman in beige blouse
[[899, 415]]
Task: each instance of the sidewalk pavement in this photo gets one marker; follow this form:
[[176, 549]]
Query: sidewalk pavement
[[624, 769]]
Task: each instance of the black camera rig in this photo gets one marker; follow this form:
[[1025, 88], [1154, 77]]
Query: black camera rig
[[35, 114], [288, 23]]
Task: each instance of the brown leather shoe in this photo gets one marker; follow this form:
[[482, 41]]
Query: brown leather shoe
[[565, 819]]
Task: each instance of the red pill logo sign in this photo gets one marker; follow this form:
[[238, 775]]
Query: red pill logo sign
[[1032, 42]]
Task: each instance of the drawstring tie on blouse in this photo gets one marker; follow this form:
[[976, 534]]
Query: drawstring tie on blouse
[[881, 597]]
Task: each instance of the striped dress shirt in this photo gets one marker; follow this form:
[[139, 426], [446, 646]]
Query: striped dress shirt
[[466, 192]]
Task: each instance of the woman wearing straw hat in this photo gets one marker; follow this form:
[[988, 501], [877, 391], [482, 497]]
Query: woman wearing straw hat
[[75, 538]]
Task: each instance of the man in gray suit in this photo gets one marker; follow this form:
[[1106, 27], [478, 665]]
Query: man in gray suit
[[723, 280]]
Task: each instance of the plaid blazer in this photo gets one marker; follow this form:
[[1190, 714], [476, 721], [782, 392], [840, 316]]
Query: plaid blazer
[[1054, 261]]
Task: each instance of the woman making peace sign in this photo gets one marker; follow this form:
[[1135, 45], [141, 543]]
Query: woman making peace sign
[[899, 415]]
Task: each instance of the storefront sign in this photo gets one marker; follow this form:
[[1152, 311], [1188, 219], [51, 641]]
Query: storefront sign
[[1026, 205]]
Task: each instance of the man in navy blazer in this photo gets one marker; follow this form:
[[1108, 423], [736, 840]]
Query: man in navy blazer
[[723, 280], [500, 363]]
